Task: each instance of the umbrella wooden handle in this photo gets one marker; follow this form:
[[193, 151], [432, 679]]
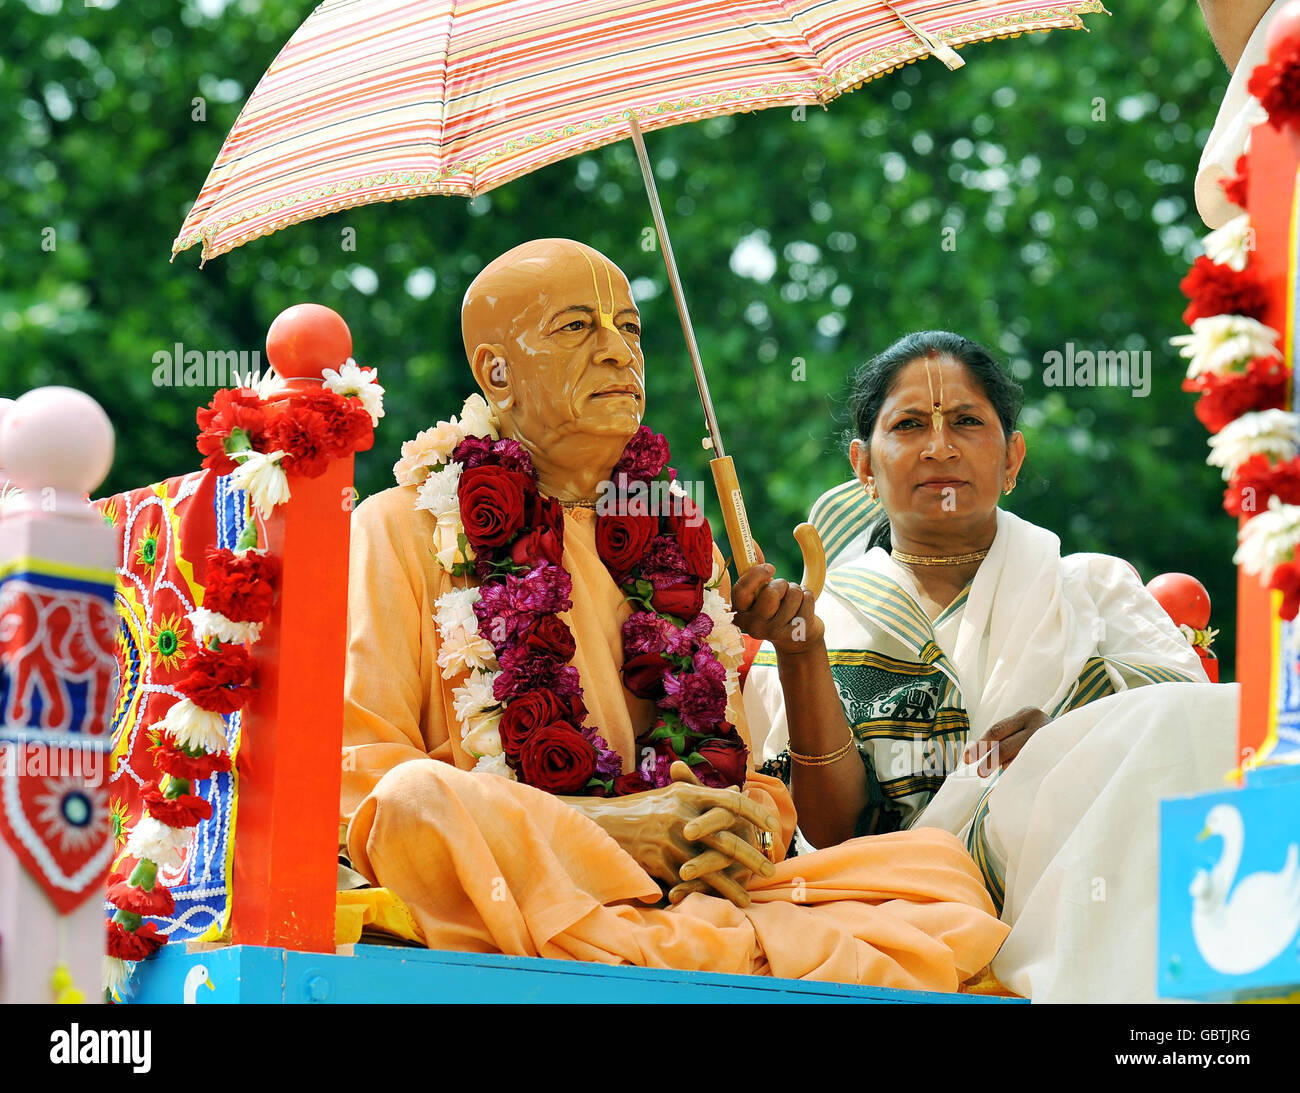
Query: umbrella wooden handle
[[814, 558], [743, 550], [741, 538]]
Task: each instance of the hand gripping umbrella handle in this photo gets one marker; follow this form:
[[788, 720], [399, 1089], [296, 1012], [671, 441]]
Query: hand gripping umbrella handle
[[743, 549]]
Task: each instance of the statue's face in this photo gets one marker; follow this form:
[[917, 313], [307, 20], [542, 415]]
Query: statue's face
[[569, 371]]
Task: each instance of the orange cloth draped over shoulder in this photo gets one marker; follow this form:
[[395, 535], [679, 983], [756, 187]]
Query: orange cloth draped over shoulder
[[490, 865]]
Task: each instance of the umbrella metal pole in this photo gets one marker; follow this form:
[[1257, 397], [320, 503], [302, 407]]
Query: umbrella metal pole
[[739, 535]]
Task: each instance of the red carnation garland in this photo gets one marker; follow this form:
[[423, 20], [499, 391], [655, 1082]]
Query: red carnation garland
[[311, 429], [1276, 84], [1216, 289]]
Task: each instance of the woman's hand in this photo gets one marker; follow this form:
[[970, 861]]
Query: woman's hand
[[688, 836], [772, 609], [1002, 743]]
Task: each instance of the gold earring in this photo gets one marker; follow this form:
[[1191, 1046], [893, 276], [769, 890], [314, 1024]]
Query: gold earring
[[1010, 485], [871, 488]]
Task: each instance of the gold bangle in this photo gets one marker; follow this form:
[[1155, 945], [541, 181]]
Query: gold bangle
[[823, 760]]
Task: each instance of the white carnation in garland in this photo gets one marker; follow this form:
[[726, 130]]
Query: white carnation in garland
[[1224, 343], [1231, 244], [353, 381], [495, 764], [440, 492], [1274, 433], [194, 728], [478, 419], [431, 448], [1268, 539], [461, 649], [474, 696], [212, 624], [455, 609], [266, 484], [725, 638], [153, 840], [116, 974]]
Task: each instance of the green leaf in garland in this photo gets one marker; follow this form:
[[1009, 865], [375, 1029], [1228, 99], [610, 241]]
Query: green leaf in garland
[[247, 538]]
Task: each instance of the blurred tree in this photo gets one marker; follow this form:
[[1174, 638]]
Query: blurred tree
[[1040, 196]]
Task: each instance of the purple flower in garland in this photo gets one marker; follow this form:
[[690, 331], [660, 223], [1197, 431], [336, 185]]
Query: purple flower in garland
[[699, 695], [513, 456], [609, 764], [505, 609], [473, 451], [689, 641], [645, 456], [647, 632], [656, 766], [663, 563], [523, 671]]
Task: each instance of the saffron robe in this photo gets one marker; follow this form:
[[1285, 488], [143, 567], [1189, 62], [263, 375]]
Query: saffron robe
[[490, 865], [1066, 836]]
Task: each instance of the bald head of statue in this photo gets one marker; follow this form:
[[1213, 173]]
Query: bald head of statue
[[554, 340]]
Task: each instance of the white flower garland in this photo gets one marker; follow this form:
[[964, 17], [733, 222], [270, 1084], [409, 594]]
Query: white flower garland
[[1225, 343], [1274, 433]]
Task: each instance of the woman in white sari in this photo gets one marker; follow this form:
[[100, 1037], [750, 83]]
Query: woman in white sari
[[961, 640]]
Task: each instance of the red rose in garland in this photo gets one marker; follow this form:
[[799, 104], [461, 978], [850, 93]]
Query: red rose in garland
[[492, 502], [241, 586], [685, 599], [217, 678], [621, 541], [725, 758], [695, 538], [533, 711], [1216, 289], [549, 634], [558, 759], [644, 675]]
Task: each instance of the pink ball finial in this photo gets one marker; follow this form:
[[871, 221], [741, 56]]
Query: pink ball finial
[[56, 438]]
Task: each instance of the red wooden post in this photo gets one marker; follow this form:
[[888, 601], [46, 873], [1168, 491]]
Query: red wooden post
[[286, 842], [1271, 191]]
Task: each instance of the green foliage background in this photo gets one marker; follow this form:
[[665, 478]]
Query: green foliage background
[[1063, 162]]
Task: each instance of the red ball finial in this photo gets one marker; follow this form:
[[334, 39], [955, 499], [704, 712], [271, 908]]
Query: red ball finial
[[306, 339], [1184, 599]]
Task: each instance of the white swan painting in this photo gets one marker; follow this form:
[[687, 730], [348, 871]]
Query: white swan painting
[[1239, 930], [198, 977]]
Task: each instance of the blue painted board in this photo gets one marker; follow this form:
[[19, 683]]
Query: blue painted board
[[389, 974]]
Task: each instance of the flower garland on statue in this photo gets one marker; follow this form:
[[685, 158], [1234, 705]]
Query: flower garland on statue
[[1238, 371], [259, 448], [520, 707]]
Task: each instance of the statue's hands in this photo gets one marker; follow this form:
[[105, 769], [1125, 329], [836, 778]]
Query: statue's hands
[[735, 848], [1002, 743], [772, 609], [689, 834]]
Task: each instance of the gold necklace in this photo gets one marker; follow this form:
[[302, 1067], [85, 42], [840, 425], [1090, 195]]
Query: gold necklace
[[949, 559], [582, 503]]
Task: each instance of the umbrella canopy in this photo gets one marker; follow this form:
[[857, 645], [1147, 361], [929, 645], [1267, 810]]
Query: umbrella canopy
[[379, 100]]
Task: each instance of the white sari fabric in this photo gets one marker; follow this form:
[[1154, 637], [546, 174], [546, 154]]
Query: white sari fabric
[[1067, 835]]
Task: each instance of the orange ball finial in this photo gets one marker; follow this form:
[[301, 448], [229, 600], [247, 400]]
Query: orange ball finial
[[306, 339]]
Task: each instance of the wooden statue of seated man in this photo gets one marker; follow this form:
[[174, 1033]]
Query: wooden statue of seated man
[[481, 818]]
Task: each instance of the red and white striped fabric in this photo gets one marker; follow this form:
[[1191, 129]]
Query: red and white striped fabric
[[378, 100]]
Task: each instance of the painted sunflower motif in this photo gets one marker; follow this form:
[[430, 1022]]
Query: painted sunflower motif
[[166, 643]]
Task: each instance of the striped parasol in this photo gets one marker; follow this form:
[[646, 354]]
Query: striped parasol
[[379, 100]]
